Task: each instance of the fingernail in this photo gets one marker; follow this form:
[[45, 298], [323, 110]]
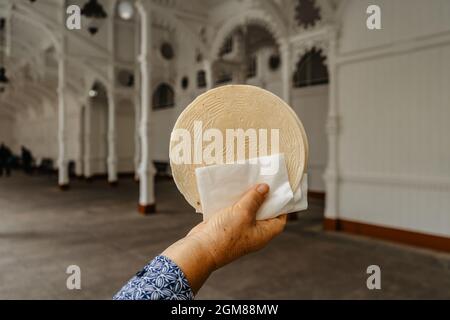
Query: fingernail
[[263, 188]]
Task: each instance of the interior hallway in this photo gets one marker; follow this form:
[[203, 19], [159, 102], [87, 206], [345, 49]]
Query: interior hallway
[[44, 230]]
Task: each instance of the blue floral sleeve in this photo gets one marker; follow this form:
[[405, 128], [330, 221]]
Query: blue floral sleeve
[[161, 279]]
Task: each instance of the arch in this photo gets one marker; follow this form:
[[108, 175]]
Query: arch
[[256, 16], [37, 100], [43, 21], [93, 73], [8, 108], [320, 40], [177, 24], [50, 95], [311, 69], [36, 21], [163, 96], [201, 79], [25, 101]]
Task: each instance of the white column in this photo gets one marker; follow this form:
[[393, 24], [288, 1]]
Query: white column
[[80, 139], [286, 73], [331, 175], [111, 136], [137, 103], [112, 153], [87, 139], [137, 142], [63, 174], [147, 170], [207, 66]]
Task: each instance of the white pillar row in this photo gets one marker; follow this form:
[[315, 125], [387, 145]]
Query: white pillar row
[[63, 174], [285, 49], [87, 168], [112, 150], [146, 170], [331, 175]]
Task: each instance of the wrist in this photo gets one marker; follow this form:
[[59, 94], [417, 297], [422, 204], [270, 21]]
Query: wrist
[[193, 259], [202, 248]]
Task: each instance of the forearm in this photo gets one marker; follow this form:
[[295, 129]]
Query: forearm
[[193, 259], [178, 273], [183, 267]]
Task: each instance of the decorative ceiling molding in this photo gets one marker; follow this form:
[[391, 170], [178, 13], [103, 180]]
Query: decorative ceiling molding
[[251, 16], [175, 24], [319, 38], [30, 17]]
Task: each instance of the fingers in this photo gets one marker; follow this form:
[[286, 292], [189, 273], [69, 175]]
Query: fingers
[[272, 227], [253, 199]]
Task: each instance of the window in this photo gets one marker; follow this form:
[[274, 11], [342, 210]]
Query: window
[[274, 62], [184, 82], [252, 67], [167, 51], [163, 97], [125, 78], [311, 70], [224, 77], [2, 30], [201, 79], [227, 46], [306, 13]]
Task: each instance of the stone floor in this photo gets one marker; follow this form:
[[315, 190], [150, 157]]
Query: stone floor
[[94, 226]]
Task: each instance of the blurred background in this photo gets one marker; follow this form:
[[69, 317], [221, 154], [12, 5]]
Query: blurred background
[[87, 106]]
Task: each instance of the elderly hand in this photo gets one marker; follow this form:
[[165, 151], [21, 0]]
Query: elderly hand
[[226, 236]]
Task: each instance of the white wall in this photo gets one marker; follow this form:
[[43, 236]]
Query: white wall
[[183, 64], [393, 102]]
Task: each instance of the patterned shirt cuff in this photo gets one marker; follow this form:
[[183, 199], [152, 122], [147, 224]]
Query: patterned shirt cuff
[[161, 279]]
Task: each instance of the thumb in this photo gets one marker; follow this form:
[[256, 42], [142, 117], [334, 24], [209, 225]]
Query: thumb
[[253, 199]]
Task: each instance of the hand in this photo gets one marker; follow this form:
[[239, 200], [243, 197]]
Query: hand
[[226, 236]]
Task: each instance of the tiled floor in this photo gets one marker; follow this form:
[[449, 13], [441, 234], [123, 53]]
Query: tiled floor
[[94, 226]]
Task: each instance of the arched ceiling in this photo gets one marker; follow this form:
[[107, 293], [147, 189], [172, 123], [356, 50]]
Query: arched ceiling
[[34, 36]]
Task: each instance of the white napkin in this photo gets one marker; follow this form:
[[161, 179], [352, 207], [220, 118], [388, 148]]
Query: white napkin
[[220, 186]]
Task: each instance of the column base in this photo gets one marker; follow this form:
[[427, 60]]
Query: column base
[[113, 183], [64, 187], [147, 208]]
